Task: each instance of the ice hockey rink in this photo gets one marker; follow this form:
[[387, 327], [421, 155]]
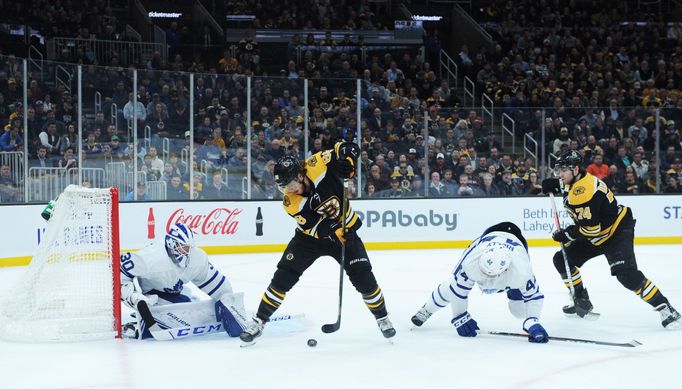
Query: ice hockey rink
[[432, 356]]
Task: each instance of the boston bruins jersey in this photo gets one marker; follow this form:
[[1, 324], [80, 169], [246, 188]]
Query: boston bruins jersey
[[324, 199], [593, 208]]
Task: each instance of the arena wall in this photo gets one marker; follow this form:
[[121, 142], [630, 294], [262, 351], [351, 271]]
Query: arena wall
[[230, 226]]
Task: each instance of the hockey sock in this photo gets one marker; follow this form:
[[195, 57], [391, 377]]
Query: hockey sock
[[650, 293], [272, 299], [575, 279], [375, 302]]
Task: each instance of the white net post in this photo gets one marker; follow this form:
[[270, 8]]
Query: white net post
[[71, 289]]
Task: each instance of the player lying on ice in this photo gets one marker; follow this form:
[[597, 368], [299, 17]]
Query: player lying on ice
[[498, 262], [157, 275]]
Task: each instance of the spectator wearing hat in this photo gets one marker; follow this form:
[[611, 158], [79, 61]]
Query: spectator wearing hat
[[506, 185], [416, 188], [395, 190], [675, 169], [562, 142], [440, 166], [142, 194]]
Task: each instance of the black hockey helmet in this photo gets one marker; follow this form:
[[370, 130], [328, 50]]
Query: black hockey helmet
[[286, 169], [570, 159]]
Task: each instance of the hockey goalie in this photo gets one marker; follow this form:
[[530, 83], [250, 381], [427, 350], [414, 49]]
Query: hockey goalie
[[153, 283]]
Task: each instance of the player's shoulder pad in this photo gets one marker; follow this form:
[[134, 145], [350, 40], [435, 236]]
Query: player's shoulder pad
[[316, 165], [292, 203], [583, 190]]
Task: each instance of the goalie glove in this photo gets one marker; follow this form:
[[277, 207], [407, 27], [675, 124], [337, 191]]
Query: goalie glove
[[131, 295], [566, 235], [347, 157]]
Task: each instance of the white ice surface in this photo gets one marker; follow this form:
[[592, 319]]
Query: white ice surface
[[432, 356]]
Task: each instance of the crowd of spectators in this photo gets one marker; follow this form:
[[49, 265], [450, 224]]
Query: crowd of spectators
[[599, 71], [599, 96]]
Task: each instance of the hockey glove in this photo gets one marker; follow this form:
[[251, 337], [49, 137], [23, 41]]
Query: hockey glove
[[465, 325], [566, 235], [536, 333], [333, 229], [551, 185], [347, 157]]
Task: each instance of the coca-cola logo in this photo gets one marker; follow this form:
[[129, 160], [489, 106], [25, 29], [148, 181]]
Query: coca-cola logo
[[220, 221]]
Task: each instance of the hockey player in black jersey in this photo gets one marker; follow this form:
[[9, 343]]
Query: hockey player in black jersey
[[601, 226], [313, 195]]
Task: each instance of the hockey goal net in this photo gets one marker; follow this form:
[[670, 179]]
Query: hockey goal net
[[71, 289]]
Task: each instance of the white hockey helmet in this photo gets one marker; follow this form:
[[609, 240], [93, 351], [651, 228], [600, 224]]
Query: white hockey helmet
[[179, 240], [495, 259]]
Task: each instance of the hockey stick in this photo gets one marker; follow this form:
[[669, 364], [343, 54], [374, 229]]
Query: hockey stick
[[557, 225], [329, 328], [147, 318], [186, 332], [632, 343]]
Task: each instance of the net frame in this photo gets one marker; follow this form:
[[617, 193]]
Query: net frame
[[71, 289]]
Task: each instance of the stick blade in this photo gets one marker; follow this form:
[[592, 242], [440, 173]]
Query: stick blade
[[330, 328]]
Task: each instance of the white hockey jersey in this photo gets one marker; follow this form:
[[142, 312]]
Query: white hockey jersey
[[518, 279], [155, 271]]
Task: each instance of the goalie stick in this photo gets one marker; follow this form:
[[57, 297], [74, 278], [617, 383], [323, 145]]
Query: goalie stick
[[186, 332], [632, 343]]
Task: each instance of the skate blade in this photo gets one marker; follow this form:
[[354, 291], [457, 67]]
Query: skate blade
[[676, 325], [247, 344], [592, 316]]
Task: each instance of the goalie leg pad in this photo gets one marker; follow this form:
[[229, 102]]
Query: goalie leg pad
[[229, 310]]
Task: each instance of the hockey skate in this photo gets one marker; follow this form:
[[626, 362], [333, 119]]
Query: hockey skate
[[670, 318], [386, 327], [252, 331], [421, 316], [130, 331], [581, 306]]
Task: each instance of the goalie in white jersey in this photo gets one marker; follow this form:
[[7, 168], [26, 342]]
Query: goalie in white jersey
[[157, 275], [498, 262]]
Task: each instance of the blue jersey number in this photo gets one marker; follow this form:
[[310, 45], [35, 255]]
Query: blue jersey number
[[530, 285], [127, 263]]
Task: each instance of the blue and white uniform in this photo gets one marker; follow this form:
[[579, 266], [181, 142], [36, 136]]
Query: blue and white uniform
[[158, 275], [518, 281]]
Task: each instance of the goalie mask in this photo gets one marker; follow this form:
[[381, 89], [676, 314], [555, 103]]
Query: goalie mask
[[495, 260], [179, 240]]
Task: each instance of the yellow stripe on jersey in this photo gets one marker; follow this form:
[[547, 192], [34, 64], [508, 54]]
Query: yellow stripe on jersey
[[316, 166], [591, 231], [292, 203], [607, 233], [583, 190]]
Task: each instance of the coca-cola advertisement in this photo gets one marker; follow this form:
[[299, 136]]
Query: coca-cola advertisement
[[218, 221]]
